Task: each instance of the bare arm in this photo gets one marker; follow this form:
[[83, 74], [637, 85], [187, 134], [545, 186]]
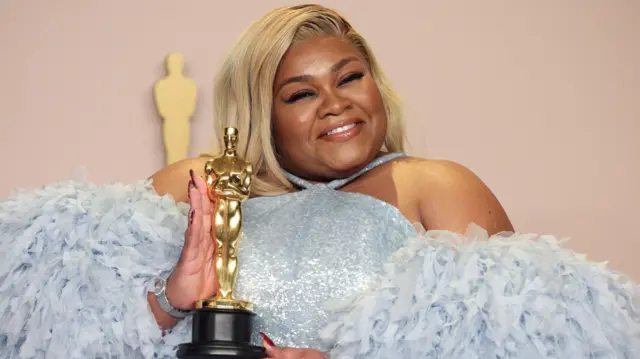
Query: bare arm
[[454, 197], [173, 180], [164, 320]]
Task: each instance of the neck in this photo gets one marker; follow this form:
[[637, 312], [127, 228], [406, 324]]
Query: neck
[[338, 182], [338, 175]]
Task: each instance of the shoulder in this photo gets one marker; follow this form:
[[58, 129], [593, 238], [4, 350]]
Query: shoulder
[[450, 196], [440, 173], [422, 174], [174, 179]]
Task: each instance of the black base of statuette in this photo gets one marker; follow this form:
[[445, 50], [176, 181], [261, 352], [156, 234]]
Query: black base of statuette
[[221, 334]]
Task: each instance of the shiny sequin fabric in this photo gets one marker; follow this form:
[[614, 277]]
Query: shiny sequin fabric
[[302, 249]]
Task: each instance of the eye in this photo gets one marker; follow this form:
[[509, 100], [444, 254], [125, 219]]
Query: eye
[[351, 77], [298, 96]]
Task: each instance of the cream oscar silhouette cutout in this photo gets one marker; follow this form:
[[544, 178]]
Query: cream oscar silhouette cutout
[[175, 98]]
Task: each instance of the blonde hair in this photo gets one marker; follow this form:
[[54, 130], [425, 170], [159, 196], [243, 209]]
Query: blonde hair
[[243, 88]]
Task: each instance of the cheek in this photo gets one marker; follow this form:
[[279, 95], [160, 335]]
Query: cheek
[[375, 100], [369, 98], [292, 126], [373, 104], [370, 101]]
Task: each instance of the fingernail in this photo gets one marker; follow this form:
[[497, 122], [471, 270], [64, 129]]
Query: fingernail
[[191, 216], [267, 340], [193, 177]]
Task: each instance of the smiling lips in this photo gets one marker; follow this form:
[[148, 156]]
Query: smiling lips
[[342, 133]]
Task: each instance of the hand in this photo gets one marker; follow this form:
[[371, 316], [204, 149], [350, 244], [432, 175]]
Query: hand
[[276, 352], [194, 276]]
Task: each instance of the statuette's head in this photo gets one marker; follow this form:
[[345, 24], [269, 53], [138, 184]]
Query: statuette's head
[[174, 63], [230, 138]]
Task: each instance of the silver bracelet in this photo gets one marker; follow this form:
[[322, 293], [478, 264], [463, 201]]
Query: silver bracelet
[[158, 286]]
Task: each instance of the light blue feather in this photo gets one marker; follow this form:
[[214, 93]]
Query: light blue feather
[[75, 262], [76, 257], [509, 296]]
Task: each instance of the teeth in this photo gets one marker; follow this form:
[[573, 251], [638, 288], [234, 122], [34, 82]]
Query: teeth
[[341, 129]]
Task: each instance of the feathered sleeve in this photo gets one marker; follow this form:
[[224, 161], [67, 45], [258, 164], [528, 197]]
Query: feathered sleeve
[[445, 295], [75, 262]]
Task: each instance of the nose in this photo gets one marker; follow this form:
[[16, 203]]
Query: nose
[[333, 104]]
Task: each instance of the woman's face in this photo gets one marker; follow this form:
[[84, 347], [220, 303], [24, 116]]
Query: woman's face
[[329, 118]]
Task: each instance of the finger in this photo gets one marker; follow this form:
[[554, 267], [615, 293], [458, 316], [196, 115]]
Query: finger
[[195, 194], [194, 231], [192, 236], [205, 202], [272, 350], [206, 241], [285, 353], [208, 235], [207, 205]]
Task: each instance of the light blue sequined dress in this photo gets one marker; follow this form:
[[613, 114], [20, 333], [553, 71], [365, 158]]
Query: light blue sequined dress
[[304, 248]]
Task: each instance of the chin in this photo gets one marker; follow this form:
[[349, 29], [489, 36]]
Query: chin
[[347, 162]]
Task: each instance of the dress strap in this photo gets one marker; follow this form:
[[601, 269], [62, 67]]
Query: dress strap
[[335, 184]]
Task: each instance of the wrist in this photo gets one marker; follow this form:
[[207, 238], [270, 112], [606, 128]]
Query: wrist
[[159, 289], [164, 320], [170, 295]]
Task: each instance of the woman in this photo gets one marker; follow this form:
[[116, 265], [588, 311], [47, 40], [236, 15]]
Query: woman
[[325, 102], [334, 219]]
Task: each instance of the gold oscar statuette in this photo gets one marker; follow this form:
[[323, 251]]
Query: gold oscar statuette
[[228, 180], [222, 325]]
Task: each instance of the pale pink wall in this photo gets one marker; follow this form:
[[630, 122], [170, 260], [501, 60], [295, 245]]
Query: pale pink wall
[[540, 98]]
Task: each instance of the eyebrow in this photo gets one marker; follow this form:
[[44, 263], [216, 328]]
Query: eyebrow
[[306, 78]]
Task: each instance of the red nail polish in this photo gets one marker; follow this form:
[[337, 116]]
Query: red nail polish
[[267, 339]]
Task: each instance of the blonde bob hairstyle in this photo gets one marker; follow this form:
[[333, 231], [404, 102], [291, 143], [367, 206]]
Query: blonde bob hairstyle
[[243, 88]]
